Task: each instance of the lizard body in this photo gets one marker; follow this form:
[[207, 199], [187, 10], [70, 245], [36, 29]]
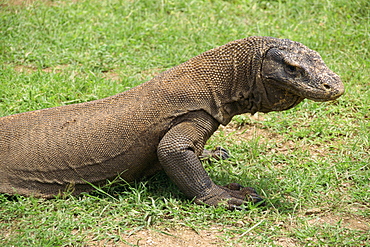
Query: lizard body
[[161, 124]]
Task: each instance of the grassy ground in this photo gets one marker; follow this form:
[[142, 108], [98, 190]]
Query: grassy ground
[[311, 162]]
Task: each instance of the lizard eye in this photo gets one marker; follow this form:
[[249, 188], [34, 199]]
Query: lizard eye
[[291, 68]]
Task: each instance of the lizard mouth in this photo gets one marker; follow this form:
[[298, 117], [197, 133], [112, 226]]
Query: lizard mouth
[[321, 92], [322, 95], [330, 94]]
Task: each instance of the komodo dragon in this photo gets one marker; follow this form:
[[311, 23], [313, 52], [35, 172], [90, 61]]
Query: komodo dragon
[[161, 124]]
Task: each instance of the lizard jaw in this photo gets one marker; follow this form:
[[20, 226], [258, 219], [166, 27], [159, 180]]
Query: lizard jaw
[[323, 92], [328, 94], [319, 92]]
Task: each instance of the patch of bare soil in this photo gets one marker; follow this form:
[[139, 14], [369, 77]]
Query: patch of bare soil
[[17, 2], [30, 69], [275, 142], [182, 238], [112, 75], [171, 237], [29, 2], [247, 132], [285, 242], [176, 238], [352, 222], [24, 69]]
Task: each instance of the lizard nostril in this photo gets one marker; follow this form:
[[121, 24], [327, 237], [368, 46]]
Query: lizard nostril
[[326, 86]]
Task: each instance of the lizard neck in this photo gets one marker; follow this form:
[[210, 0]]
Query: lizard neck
[[239, 91], [263, 97], [247, 91], [232, 75]]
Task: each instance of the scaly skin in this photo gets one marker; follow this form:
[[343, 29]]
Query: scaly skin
[[161, 124]]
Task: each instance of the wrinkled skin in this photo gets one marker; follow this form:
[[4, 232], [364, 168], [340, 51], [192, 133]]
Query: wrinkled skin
[[161, 124]]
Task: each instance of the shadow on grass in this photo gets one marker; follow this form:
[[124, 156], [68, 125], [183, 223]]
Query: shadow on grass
[[156, 186], [160, 186]]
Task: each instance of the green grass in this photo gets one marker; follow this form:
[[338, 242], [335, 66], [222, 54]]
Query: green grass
[[311, 162]]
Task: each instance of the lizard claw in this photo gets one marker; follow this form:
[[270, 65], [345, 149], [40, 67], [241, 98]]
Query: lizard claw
[[244, 193], [218, 153]]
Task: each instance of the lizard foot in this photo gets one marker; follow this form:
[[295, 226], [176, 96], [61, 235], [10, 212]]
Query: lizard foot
[[232, 196], [218, 153]]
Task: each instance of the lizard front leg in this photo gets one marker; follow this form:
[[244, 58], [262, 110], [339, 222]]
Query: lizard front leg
[[178, 153]]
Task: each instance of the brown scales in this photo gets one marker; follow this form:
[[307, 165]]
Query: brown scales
[[161, 124]]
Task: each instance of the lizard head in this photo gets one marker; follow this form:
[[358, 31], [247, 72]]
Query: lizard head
[[296, 71]]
